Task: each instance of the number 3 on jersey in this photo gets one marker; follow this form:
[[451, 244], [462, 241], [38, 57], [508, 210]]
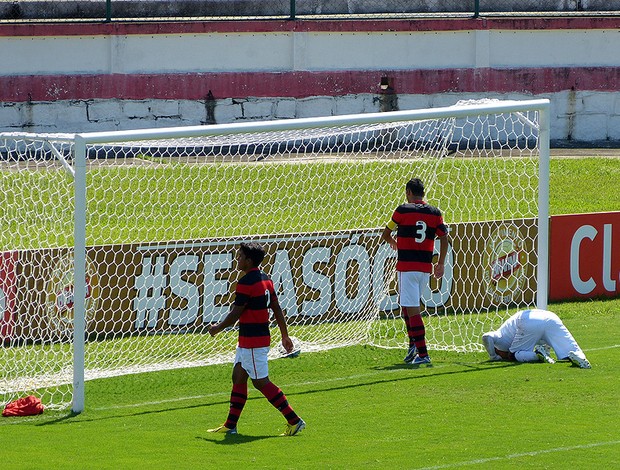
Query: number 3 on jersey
[[420, 233]]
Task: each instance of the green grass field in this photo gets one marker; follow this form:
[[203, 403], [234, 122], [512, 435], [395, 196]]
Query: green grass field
[[363, 406]]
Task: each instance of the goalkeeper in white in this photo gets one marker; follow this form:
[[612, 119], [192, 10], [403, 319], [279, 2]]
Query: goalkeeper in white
[[527, 335]]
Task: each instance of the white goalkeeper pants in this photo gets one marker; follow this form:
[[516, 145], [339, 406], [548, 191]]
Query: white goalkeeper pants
[[541, 326]]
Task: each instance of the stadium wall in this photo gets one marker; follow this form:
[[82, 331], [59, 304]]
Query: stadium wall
[[79, 77]]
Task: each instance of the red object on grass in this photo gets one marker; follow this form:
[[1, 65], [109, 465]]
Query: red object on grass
[[26, 406]]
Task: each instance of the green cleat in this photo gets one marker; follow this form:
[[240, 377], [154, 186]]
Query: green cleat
[[292, 429], [224, 430]]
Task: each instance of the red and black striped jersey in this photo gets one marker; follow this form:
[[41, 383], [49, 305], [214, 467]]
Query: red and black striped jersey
[[418, 224], [254, 292]]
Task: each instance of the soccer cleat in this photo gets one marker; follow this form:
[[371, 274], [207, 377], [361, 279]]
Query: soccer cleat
[[224, 430], [543, 353], [579, 359], [411, 354], [292, 429], [418, 360]]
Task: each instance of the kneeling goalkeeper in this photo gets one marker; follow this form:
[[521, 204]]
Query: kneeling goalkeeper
[[254, 296]]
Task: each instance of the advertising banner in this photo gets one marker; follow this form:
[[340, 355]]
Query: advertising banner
[[7, 295], [584, 256], [176, 287]]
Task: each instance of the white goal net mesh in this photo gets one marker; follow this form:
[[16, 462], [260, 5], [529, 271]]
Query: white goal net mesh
[[164, 218]]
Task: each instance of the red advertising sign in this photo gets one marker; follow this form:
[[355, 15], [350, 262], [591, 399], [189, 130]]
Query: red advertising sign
[[7, 295], [584, 256]]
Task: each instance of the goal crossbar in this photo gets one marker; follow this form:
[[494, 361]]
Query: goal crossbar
[[312, 123]]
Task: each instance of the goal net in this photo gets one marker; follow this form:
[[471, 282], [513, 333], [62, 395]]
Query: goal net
[[118, 249]]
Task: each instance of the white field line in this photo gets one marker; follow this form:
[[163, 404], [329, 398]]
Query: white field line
[[297, 384], [523, 454], [603, 348], [226, 394]]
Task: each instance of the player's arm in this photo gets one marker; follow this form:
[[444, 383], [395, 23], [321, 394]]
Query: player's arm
[[489, 345], [281, 321], [387, 234], [439, 267], [229, 320]]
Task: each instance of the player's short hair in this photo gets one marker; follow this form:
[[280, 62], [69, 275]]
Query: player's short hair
[[253, 251], [416, 186]]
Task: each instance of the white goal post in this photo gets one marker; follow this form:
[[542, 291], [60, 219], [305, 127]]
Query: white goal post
[[117, 248]]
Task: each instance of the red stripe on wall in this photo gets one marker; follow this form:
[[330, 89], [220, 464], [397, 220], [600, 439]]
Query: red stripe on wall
[[259, 26], [304, 84]]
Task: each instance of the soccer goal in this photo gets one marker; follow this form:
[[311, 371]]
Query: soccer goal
[[118, 248]]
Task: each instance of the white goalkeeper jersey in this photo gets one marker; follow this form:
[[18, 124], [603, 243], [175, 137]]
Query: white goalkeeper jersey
[[526, 328]]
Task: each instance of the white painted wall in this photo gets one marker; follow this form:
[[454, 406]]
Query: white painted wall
[[307, 51]]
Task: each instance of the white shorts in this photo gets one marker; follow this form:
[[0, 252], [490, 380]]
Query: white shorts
[[253, 361], [410, 285]]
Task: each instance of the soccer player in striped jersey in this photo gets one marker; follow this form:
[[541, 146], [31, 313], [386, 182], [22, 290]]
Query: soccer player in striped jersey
[[418, 224], [254, 296]]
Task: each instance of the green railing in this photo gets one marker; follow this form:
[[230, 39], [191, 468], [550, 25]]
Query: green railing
[[162, 10]]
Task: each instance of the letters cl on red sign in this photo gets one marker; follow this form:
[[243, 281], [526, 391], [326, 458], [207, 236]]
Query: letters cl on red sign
[[584, 256]]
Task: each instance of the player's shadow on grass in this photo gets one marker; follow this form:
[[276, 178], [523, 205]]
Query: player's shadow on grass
[[470, 367], [405, 367], [234, 439], [433, 372], [71, 416]]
